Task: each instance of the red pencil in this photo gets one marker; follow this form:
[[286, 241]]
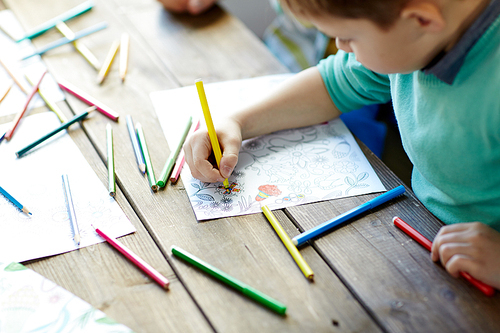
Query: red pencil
[[181, 158], [419, 238], [153, 273], [105, 110], [10, 132]]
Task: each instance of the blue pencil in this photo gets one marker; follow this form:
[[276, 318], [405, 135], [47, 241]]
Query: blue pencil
[[135, 144], [3, 136], [78, 10], [14, 201], [318, 230], [64, 40]]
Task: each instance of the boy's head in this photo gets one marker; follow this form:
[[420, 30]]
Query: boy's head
[[382, 12], [390, 36]]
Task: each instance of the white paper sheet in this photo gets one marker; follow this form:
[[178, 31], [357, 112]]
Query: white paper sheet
[[10, 53], [31, 303], [35, 181], [286, 168]]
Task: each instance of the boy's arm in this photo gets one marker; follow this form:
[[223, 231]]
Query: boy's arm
[[469, 247], [300, 101]]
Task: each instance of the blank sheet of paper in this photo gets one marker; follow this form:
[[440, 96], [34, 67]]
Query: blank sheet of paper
[[35, 181]]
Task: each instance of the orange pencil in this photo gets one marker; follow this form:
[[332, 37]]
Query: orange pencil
[[10, 132], [6, 91], [11, 74]]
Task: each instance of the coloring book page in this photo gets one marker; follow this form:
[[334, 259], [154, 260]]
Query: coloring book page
[[31, 303], [10, 53], [35, 180], [286, 168]]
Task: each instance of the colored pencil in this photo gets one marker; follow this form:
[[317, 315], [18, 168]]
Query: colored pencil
[[104, 109], [71, 209], [63, 126], [78, 10], [179, 163], [111, 161], [419, 238], [10, 132], [108, 61], [63, 41], [78, 45], [1, 137], [230, 281], [14, 201], [146, 268], [13, 77], [124, 50], [304, 267], [210, 125], [318, 230], [52, 105], [135, 144], [6, 91], [147, 158], [169, 165]]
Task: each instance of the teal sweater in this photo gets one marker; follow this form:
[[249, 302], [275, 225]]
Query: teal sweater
[[451, 133]]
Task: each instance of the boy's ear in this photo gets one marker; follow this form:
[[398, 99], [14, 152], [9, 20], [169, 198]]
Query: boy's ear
[[427, 14]]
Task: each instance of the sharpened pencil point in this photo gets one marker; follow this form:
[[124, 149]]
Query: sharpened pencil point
[[142, 168], [77, 239]]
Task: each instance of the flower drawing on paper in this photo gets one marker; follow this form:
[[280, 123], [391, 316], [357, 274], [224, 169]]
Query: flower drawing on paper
[[300, 155], [278, 173], [265, 191], [253, 145], [345, 167], [233, 189]]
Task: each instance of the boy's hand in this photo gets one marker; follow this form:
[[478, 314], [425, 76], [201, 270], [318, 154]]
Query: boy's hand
[[469, 247], [198, 149], [193, 7]]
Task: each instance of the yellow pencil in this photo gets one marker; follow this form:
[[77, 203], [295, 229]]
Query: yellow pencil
[[210, 125], [124, 47], [108, 61], [4, 93], [13, 77], [304, 267], [52, 106], [79, 46]]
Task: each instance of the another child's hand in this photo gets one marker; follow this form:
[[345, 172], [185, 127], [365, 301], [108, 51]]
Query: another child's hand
[[469, 247], [193, 7], [198, 149]]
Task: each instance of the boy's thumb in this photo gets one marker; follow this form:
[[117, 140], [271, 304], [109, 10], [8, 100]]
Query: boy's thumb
[[227, 163]]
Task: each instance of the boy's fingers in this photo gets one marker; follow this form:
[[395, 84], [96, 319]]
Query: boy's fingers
[[460, 263]]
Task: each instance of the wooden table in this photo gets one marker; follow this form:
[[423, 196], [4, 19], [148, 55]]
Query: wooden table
[[369, 276]]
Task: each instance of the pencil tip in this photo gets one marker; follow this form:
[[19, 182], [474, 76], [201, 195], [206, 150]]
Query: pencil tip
[[142, 167], [77, 239]]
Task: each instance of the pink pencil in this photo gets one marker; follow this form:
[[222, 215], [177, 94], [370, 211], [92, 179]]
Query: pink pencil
[[10, 132], [153, 273], [486, 289], [179, 163], [105, 110]]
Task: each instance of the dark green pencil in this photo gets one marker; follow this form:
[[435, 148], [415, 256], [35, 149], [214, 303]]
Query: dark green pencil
[[54, 132], [231, 281]]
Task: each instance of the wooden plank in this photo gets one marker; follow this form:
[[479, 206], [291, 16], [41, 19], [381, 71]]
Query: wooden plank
[[104, 278], [245, 247], [392, 274]]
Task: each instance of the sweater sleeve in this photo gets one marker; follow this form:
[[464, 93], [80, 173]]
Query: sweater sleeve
[[350, 84]]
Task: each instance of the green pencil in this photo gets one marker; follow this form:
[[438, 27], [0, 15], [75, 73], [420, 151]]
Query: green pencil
[[232, 282], [147, 159], [111, 161], [169, 165], [63, 126]]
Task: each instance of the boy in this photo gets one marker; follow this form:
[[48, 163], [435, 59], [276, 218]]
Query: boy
[[439, 61]]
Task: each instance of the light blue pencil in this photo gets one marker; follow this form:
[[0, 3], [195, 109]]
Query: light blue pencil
[[64, 40], [74, 12], [14, 201]]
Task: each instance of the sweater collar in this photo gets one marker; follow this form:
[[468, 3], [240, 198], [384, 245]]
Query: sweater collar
[[447, 65]]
